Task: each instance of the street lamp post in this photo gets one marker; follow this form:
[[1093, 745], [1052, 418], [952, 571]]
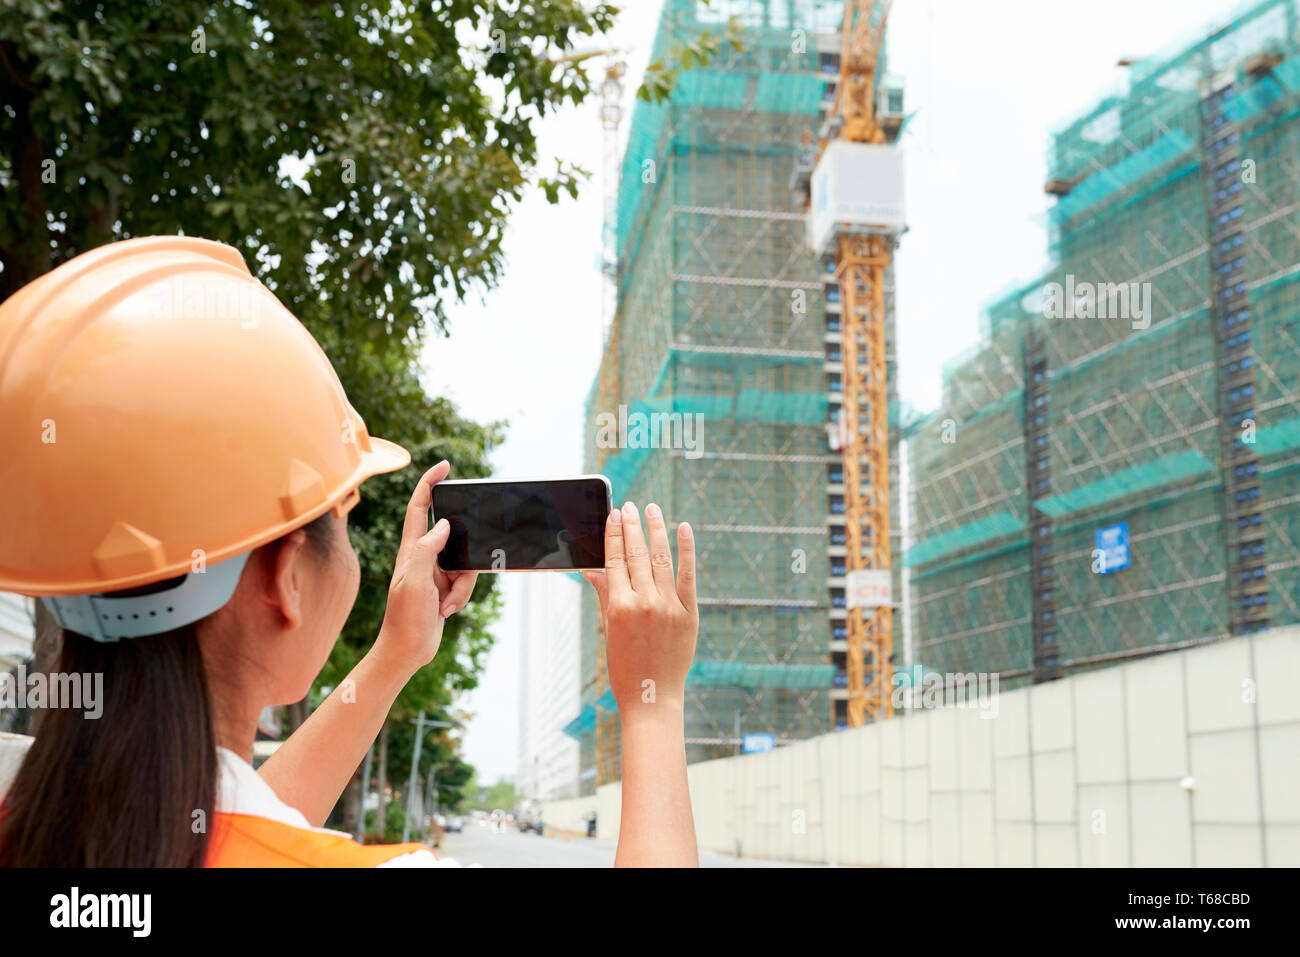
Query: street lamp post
[[410, 785], [420, 725]]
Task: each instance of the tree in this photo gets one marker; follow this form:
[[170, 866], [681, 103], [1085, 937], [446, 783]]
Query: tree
[[363, 156], [689, 49], [491, 797]]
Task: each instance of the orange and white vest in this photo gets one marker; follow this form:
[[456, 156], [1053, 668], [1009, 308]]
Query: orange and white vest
[[254, 828]]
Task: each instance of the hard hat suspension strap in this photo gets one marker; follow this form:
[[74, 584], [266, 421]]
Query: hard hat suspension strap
[[106, 618]]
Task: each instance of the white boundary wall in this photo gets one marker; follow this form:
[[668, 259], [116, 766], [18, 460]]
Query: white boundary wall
[[1088, 770]]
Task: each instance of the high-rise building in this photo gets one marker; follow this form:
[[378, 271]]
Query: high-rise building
[[1113, 469], [725, 349], [548, 687]]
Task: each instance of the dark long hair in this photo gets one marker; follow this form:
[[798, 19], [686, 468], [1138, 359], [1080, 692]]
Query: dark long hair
[[136, 786]]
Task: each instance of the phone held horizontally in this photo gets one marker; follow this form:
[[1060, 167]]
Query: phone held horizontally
[[524, 525]]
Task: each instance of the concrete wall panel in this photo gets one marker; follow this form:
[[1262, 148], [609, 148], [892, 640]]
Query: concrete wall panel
[[1089, 770]]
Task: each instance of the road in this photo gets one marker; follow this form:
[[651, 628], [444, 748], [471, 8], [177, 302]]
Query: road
[[480, 845]]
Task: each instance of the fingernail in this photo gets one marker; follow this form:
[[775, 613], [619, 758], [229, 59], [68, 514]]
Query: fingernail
[[438, 525], [629, 509], [615, 517], [448, 608], [652, 510], [684, 530]]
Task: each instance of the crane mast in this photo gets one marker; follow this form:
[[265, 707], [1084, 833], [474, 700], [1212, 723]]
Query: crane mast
[[863, 251]]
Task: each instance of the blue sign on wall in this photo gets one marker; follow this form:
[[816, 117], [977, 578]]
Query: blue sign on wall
[[1112, 543], [755, 743]]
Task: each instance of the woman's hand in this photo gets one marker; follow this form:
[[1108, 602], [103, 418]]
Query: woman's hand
[[422, 595], [319, 759], [651, 622]]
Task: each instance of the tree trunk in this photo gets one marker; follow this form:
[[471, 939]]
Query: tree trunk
[[352, 804], [28, 253], [382, 759], [294, 716]]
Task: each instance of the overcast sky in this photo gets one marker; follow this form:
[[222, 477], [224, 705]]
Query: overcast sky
[[990, 79]]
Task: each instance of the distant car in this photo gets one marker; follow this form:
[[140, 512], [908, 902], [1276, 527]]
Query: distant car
[[455, 824], [532, 827]]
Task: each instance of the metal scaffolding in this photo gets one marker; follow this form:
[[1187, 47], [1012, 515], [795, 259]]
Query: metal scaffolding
[[1179, 425], [721, 326]]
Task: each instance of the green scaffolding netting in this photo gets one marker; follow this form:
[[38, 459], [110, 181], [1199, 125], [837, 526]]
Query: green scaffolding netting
[[1254, 99], [748, 405], [622, 469], [1163, 91], [1278, 438], [1145, 168], [720, 406], [789, 94], [1128, 483], [722, 314], [738, 674], [905, 416], [712, 88], [1107, 182], [958, 628], [1283, 525], [973, 533], [771, 78], [737, 360], [756, 405], [1288, 74], [584, 723], [744, 674], [807, 408]]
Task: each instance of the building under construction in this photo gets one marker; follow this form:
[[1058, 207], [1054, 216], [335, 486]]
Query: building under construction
[[726, 322], [1113, 470]]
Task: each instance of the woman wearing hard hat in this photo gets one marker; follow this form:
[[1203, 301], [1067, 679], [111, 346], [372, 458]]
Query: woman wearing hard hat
[[179, 462]]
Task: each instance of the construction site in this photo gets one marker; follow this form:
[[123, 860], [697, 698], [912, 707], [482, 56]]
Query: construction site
[[1111, 472], [886, 454], [727, 316]]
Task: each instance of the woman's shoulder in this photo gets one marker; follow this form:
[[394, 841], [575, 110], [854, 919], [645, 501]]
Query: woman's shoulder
[[254, 828], [248, 840]]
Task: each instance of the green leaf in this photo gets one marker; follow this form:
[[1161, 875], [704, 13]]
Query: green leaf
[[450, 167]]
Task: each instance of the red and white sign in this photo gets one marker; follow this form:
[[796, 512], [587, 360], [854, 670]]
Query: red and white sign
[[869, 588]]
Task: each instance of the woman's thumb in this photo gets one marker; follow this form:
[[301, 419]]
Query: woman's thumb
[[425, 553]]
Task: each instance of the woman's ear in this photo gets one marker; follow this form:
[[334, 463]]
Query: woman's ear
[[285, 585]]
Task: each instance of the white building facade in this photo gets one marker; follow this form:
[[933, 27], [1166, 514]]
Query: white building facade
[[548, 687], [17, 629]]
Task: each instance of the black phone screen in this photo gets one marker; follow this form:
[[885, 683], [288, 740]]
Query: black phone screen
[[499, 526]]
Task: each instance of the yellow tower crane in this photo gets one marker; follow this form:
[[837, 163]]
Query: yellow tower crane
[[855, 209]]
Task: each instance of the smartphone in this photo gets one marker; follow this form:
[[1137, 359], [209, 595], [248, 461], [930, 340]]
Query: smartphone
[[529, 525]]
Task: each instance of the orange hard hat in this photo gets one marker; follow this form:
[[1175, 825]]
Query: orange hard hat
[[161, 411]]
